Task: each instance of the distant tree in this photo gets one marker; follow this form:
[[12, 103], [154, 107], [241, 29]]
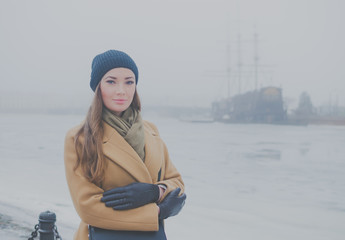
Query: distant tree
[[305, 106]]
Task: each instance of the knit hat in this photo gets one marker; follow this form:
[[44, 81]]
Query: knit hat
[[108, 60]]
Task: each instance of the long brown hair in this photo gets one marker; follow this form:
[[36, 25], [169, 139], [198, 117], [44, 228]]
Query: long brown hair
[[88, 140]]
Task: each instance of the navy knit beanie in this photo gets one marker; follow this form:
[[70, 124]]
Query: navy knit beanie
[[108, 60]]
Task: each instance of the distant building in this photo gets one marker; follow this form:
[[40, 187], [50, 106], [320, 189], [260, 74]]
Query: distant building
[[305, 107]]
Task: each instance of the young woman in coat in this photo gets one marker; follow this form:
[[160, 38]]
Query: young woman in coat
[[117, 167]]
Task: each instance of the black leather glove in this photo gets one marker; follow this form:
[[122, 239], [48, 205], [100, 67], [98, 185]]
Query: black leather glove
[[172, 204], [131, 196]]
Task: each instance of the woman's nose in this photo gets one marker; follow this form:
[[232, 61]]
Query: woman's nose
[[120, 89]]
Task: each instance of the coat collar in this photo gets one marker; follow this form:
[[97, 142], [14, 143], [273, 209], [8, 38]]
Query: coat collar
[[116, 148]]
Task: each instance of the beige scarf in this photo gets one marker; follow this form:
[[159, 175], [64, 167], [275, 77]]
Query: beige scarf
[[130, 127]]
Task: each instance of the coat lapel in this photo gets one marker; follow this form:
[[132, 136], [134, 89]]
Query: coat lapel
[[153, 157], [116, 148]]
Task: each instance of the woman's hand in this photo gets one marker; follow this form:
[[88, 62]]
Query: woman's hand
[[172, 204], [131, 196]]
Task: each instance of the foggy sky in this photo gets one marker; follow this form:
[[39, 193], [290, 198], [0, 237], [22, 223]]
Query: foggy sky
[[180, 47]]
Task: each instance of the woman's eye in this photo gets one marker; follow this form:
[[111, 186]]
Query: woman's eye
[[130, 82], [110, 81]]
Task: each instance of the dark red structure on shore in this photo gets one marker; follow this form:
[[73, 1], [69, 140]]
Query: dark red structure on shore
[[260, 106]]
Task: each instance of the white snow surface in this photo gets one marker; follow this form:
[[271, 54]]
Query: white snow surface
[[242, 181]]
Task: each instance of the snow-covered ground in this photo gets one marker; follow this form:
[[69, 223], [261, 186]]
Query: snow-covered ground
[[243, 182]]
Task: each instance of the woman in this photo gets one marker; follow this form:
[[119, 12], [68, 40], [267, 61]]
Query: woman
[[118, 169]]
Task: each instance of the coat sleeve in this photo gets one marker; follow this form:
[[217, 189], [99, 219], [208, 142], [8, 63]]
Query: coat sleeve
[[86, 198], [171, 178]]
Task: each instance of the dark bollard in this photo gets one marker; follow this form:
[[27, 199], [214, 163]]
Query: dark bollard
[[46, 224], [46, 227]]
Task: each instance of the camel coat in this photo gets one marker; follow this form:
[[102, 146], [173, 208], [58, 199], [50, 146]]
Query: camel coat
[[124, 167]]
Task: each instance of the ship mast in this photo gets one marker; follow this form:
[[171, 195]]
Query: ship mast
[[228, 70], [239, 62], [256, 59]]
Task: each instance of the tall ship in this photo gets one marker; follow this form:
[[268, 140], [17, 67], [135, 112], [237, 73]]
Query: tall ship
[[261, 105], [266, 104]]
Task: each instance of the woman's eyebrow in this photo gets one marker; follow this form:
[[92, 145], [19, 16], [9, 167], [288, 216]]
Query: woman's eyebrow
[[116, 78], [111, 77]]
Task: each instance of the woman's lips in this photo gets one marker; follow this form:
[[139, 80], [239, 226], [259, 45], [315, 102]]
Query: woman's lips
[[119, 101]]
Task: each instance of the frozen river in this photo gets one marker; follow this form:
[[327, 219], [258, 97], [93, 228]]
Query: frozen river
[[243, 182]]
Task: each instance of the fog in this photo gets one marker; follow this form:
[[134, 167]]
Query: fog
[[182, 48], [279, 181]]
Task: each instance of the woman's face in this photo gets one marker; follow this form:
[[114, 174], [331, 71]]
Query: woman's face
[[118, 88]]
